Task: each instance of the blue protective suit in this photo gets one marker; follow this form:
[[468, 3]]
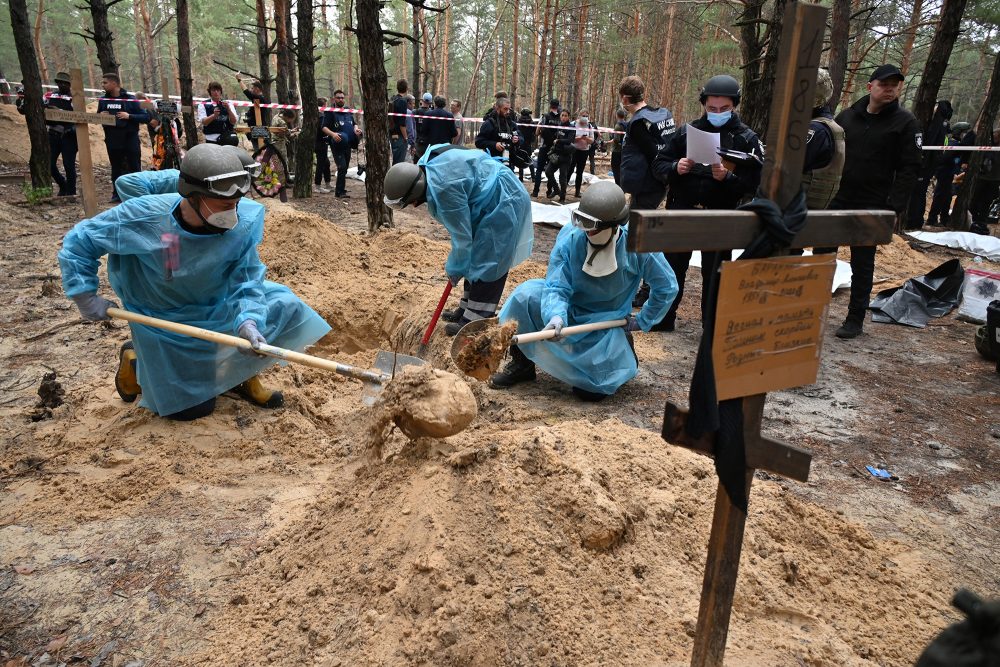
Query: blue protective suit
[[484, 207], [217, 284], [142, 183], [598, 361]]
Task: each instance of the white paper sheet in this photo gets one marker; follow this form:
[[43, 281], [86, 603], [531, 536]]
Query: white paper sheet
[[702, 146]]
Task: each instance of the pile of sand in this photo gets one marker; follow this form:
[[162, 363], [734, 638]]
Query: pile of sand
[[578, 544]]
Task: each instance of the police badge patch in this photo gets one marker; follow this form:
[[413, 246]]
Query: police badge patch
[[809, 135], [919, 138]]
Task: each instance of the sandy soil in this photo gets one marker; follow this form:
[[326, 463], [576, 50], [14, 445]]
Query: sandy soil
[[549, 532]]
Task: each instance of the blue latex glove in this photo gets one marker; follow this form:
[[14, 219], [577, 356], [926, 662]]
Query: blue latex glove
[[93, 307], [249, 331], [555, 324], [632, 324]]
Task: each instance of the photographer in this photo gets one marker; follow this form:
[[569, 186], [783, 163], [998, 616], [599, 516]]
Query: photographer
[[498, 134], [217, 117]]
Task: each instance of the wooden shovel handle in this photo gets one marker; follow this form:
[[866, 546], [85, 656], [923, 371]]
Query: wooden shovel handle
[[243, 344], [566, 331]]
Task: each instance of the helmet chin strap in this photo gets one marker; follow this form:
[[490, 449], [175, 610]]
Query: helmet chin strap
[[599, 247]]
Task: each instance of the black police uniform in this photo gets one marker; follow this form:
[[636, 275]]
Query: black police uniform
[[648, 132], [548, 137], [526, 126], [560, 158], [698, 189], [880, 169], [62, 142]]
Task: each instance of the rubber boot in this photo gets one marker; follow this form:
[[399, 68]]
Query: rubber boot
[[518, 369], [254, 391], [452, 315], [126, 380]]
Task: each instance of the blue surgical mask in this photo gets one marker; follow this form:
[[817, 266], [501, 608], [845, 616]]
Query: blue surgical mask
[[719, 119]]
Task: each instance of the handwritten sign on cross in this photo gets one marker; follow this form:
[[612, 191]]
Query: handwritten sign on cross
[[655, 231]]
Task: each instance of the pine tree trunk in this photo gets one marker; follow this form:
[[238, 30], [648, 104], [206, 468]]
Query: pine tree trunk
[[103, 38], [445, 42], [416, 53], [140, 43], [184, 73], [38, 40], [148, 40], [263, 54], [284, 58], [667, 89], [840, 27], [310, 107], [515, 48], [293, 84], [984, 137], [755, 106], [937, 60], [38, 162], [911, 36], [537, 76], [374, 86]]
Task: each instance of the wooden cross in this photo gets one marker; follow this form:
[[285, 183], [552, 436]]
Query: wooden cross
[[662, 230]]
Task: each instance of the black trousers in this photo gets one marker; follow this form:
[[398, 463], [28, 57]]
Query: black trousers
[[480, 299], [341, 159], [322, 165], [679, 262], [616, 166], [918, 203], [593, 163], [564, 164], [579, 164], [862, 278], [63, 145], [985, 193], [649, 199], [543, 159], [123, 161], [941, 203]]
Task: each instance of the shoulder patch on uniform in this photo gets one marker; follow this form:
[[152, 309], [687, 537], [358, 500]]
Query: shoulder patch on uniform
[[809, 135], [919, 138]]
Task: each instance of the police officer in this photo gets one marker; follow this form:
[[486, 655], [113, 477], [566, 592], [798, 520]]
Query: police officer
[[338, 128], [949, 166], [122, 138], [560, 158], [62, 137], [935, 134], [882, 160], [647, 132], [824, 161], [716, 186], [526, 126], [548, 137]]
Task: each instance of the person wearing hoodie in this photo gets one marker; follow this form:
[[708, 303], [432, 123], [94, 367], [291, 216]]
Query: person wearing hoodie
[[700, 186], [882, 141], [935, 134]]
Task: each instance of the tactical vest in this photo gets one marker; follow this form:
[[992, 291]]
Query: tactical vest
[[821, 185], [220, 126]]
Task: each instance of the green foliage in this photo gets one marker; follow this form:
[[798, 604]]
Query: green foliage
[[35, 195]]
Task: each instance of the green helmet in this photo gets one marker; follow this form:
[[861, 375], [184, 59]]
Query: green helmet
[[824, 87], [602, 206], [960, 127], [251, 165], [404, 184], [213, 171]]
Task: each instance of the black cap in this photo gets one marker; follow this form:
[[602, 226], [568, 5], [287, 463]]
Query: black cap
[[553, 103], [883, 72]]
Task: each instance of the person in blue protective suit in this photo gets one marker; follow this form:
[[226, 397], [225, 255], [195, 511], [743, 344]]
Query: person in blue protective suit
[[592, 277], [486, 210], [189, 257], [164, 181]]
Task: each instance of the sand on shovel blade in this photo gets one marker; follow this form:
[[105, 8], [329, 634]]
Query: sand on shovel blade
[[423, 402], [483, 353]]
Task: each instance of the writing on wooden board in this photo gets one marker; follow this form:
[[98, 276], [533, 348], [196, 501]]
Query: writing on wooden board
[[769, 323]]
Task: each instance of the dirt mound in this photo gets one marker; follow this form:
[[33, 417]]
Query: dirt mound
[[16, 148], [582, 543]]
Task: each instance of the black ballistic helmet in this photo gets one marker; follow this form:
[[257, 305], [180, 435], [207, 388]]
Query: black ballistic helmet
[[722, 85]]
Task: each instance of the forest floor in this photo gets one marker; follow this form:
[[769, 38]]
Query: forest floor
[[549, 532]]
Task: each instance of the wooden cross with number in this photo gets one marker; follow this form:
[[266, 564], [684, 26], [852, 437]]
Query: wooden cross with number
[[660, 230]]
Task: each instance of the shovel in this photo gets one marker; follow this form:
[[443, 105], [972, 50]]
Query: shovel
[[386, 363], [473, 329]]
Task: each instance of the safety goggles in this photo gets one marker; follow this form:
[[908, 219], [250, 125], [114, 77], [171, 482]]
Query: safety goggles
[[589, 223], [225, 186], [399, 204]]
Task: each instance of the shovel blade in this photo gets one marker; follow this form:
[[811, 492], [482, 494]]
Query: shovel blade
[[388, 363]]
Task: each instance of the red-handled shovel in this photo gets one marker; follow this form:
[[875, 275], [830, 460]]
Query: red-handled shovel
[[434, 320]]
